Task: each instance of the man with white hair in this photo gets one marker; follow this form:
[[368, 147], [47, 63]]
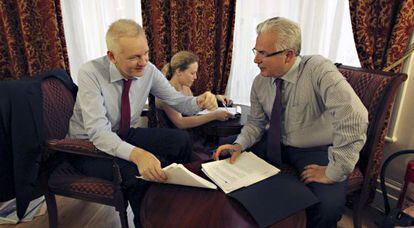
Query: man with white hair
[[316, 122], [112, 93]]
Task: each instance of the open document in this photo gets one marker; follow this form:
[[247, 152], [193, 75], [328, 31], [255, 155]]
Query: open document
[[178, 174], [247, 170], [235, 111]]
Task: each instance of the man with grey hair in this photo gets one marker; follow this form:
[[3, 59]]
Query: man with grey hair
[[112, 93], [316, 122]]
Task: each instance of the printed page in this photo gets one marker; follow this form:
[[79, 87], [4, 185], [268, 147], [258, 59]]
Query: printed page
[[233, 110], [248, 169], [178, 174]]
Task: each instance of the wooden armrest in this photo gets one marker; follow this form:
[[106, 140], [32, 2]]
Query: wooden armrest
[[76, 146]]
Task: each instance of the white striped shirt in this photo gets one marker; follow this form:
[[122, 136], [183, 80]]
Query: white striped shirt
[[319, 108]]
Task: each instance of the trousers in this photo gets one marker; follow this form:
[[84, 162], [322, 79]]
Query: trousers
[[168, 145], [332, 197]]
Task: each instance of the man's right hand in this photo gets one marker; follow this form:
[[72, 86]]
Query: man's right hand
[[148, 165], [234, 148], [207, 100]]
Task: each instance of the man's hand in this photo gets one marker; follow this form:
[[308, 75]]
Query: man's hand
[[315, 173], [233, 149], [148, 165], [207, 100]]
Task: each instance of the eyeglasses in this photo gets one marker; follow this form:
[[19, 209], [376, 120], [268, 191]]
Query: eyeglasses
[[264, 54]]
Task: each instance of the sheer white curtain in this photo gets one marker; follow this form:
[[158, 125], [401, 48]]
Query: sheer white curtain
[[85, 23], [326, 30]]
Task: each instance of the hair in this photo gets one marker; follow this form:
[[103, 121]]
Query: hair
[[182, 60], [122, 28], [288, 33]]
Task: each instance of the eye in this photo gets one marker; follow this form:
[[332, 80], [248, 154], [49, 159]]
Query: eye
[[262, 53]]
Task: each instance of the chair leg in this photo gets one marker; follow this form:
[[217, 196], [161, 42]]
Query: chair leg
[[358, 210], [123, 217], [121, 206], [51, 209], [356, 219]]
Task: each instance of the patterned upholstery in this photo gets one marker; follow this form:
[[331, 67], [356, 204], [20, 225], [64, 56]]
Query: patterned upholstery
[[377, 91], [65, 180], [57, 108], [70, 179]]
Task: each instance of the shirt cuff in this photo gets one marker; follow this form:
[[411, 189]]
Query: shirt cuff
[[335, 173], [241, 142], [124, 150]]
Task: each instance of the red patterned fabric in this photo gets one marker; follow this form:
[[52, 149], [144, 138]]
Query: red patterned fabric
[[382, 30], [58, 105], [71, 144], [66, 178], [377, 91], [31, 38], [203, 27]]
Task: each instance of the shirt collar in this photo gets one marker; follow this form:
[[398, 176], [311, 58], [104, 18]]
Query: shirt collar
[[114, 74], [292, 75]]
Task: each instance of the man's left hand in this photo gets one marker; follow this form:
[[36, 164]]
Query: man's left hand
[[315, 173], [207, 100]]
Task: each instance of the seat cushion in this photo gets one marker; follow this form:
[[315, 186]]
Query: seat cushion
[[66, 179]]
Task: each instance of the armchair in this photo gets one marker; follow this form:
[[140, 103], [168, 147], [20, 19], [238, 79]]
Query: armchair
[[377, 91], [65, 180]]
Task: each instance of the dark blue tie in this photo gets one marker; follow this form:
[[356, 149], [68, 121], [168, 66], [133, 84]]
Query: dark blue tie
[[274, 151]]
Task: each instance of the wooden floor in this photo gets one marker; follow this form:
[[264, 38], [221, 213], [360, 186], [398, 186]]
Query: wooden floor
[[74, 214]]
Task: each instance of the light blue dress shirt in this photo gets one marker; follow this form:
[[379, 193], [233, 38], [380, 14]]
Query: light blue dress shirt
[[97, 112]]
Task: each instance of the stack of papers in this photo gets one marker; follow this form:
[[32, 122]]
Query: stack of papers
[[235, 111], [178, 174], [247, 170]]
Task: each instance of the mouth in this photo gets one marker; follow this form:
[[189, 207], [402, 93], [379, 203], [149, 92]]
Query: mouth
[[141, 68]]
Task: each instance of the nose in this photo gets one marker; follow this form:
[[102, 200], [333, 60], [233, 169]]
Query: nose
[[195, 76], [257, 59], [142, 61]]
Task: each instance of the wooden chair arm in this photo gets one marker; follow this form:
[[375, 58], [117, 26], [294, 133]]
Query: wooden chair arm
[[76, 146]]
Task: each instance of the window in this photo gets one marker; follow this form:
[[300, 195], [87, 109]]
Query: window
[[86, 23], [326, 30]]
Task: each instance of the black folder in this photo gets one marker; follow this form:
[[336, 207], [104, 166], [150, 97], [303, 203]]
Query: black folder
[[275, 198]]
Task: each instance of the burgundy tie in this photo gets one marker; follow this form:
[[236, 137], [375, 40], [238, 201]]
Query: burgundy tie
[[125, 109], [274, 152]]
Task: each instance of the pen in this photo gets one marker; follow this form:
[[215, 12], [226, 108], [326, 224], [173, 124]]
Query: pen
[[225, 106]]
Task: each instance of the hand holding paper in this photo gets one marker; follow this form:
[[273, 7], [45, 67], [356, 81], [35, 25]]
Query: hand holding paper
[[178, 174]]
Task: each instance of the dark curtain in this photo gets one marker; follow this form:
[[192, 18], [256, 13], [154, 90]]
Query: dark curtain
[[31, 38], [204, 27], [382, 30]]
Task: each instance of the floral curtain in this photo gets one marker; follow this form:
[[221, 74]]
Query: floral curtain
[[31, 38], [204, 27], [382, 30]]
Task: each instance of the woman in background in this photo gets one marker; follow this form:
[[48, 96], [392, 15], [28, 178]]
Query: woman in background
[[181, 71]]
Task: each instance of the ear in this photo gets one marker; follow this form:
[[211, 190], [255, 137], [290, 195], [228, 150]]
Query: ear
[[111, 56], [178, 72], [290, 56]]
